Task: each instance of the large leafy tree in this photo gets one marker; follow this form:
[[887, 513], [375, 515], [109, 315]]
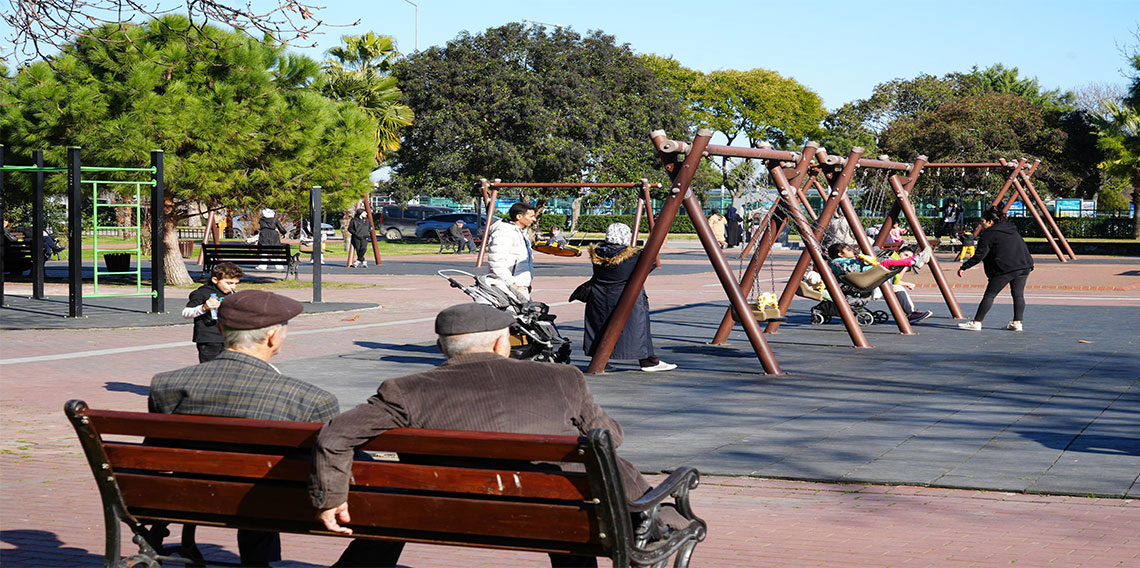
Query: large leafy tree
[[525, 104], [360, 71], [746, 106], [242, 126]]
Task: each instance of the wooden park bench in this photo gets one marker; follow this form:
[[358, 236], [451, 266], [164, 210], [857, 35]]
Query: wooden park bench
[[252, 474], [250, 255], [446, 241]]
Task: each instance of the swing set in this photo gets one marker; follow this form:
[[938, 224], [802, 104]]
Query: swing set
[[1018, 178], [75, 181]]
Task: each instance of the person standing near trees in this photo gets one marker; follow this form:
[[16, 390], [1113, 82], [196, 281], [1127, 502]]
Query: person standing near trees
[[269, 227], [732, 235], [360, 229], [718, 224], [1006, 260]]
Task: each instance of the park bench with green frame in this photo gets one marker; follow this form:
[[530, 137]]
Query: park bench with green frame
[[492, 493]]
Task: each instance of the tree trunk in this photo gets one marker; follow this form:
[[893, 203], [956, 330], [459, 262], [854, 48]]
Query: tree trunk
[[1136, 207], [575, 212], [175, 267]]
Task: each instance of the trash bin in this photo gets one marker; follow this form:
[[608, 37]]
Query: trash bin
[[186, 248], [117, 261]]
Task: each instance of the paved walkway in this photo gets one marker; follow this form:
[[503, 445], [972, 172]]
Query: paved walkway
[[948, 448]]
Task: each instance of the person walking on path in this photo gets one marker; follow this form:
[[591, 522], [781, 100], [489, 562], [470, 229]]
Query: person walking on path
[[614, 261], [508, 248], [360, 229], [1005, 258]]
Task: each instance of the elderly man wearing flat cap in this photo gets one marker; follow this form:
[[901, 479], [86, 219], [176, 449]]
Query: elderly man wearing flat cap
[[478, 388], [242, 383]]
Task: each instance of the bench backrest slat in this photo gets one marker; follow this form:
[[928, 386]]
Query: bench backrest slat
[[480, 481], [151, 497]]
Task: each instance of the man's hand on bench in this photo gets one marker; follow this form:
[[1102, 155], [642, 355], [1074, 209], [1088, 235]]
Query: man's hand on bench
[[330, 517]]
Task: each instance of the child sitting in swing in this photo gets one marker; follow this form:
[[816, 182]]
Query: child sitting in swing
[[845, 259]]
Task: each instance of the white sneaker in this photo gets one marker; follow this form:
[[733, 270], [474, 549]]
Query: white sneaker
[[364, 264], [922, 258], [1013, 326], [971, 325], [660, 366]]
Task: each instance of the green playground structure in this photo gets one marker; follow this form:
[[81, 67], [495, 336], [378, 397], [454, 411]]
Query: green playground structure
[[113, 256]]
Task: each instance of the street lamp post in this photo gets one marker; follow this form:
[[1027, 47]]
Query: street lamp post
[[417, 7]]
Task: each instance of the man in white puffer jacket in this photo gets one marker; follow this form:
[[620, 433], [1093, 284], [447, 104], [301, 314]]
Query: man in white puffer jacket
[[508, 249]]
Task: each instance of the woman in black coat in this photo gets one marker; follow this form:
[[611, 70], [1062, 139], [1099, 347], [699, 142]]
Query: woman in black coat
[[614, 261], [269, 228], [732, 233], [1006, 260]]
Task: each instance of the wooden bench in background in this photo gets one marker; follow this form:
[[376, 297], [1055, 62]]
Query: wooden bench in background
[[446, 242], [250, 255], [17, 257], [256, 478]]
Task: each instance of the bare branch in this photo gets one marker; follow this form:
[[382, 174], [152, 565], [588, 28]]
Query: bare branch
[[41, 27]]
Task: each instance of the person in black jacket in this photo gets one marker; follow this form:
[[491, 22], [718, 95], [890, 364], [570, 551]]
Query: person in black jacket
[[360, 230], [1006, 260], [270, 229], [203, 308]]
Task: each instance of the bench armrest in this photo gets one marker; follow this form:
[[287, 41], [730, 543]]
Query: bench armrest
[[658, 532]]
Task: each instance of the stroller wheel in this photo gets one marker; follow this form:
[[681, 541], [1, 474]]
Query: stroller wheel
[[865, 318], [881, 316], [817, 317]]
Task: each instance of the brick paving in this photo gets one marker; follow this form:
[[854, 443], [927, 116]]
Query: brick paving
[[50, 514]]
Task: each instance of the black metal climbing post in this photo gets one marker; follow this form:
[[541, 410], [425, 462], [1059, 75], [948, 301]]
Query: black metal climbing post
[[74, 234]]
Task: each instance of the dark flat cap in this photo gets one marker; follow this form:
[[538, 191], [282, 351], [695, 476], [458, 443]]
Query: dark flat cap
[[255, 309], [471, 318]]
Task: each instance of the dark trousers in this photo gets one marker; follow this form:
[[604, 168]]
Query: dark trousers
[[465, 242], [1016, 281], [361, 245], [258, 548], [208, 351], [386, 554]]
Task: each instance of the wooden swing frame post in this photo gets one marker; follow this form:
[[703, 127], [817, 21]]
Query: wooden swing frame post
[[490, 191]]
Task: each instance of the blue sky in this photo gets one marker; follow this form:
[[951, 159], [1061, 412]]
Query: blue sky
[[841, 50]]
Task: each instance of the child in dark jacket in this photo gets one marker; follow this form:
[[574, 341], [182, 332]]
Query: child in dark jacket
[[1006, 259], [203, 307]]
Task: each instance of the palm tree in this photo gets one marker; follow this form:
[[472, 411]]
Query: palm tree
[[1118, 136], [360, 71]]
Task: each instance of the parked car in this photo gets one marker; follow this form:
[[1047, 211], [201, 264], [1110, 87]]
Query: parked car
[[426, 229], [397, 222]]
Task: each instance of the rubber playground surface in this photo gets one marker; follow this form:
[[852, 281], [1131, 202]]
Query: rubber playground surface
[[946, 448]]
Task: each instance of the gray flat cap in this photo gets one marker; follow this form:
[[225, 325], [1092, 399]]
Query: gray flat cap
[[255, 309], [471, 318]]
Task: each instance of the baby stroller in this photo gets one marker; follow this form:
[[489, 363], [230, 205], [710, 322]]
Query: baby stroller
[[533, 335], [859, 288]]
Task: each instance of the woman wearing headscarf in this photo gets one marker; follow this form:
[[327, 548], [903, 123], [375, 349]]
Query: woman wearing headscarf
[[732, 229], [269, 228], [614, 261]]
